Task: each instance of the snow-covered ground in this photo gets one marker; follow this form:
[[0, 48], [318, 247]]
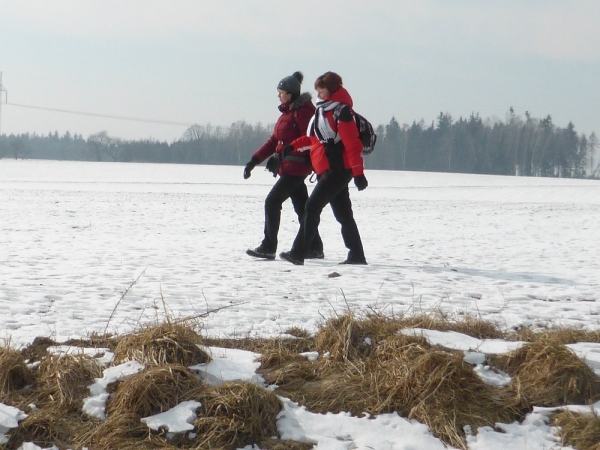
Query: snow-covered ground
[[75, 236]]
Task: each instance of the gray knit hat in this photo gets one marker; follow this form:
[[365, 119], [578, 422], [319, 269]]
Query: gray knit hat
[[292, 84]]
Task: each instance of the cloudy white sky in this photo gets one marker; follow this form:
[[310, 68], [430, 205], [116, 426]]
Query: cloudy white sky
[[190, 61]]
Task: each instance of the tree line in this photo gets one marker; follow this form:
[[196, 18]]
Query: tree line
[[514, 146]]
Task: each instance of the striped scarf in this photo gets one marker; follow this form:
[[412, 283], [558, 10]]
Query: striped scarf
[[319, 125]]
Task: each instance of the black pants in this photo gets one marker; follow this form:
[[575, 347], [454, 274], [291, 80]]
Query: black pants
[[331, 188], [287, 186]]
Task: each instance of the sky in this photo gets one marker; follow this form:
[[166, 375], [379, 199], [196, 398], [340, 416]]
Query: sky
[[106, 247], [169, 65]]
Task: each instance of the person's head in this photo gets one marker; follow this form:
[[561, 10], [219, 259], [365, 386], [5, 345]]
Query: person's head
[[288, 88], [327, 84]]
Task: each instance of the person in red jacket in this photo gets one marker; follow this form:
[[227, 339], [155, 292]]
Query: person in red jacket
[[296, 111], [335, 153]]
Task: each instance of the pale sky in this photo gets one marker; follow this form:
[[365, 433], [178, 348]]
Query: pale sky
[[217, 62]]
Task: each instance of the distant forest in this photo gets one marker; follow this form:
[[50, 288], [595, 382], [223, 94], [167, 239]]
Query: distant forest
[[514, 146]]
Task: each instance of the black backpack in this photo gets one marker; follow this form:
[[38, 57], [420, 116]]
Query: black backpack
[[365, 130]]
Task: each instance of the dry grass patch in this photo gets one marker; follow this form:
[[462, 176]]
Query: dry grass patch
[[436, 387], [47, 427], [466, 324], [123, 431], [234, 415], [366, 365], [38, 349], [374, 369], [162, 344], [63, 381], [276, 444], [546, 373], [346, 337], [14, 373], [581, 431], [561, 335], [152, 391]]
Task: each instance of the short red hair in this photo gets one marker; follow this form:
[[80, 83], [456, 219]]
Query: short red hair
[[330, 81]]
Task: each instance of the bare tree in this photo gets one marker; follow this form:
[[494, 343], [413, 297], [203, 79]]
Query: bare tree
[[101, 144], [18, 148], [592, 147]]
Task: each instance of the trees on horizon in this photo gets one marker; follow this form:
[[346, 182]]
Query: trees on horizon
[[514, 146]]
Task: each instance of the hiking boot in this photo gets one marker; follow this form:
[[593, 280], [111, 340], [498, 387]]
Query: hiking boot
[[315, 254], [358, 262], [292, 257], [260, 252]]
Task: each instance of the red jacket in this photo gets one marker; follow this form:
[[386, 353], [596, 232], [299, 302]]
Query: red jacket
[[348, 133], [292, 123]]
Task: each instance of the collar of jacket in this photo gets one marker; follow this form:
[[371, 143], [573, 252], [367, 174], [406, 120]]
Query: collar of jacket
[[302, 100]]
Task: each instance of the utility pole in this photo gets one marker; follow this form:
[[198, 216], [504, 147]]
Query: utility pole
[[1, 91]]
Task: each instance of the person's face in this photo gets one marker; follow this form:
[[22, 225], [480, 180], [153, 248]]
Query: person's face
[[322, 93], [284, 96]]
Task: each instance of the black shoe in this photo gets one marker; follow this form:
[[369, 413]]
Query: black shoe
[[260, 252], [292, 257], [358, 262], [315, 254]]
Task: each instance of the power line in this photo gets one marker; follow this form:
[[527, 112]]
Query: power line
[[108, 116]]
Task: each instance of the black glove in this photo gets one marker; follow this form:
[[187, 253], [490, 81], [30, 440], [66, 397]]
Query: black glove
[[287, 150], [361, 182], [273, 164], [248, 167]]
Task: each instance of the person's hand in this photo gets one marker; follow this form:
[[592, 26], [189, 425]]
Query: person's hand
[[248, 168], [287, 150], [361, 182]]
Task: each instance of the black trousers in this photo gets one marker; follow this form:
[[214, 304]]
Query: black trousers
[[287, 186], [331, 188]]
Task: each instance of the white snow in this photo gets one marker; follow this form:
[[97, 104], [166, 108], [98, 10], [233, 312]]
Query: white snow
[[75, 236], [176, 420]]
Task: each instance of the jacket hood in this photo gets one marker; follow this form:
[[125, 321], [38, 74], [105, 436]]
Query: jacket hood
[[342, 96], [302, 100]]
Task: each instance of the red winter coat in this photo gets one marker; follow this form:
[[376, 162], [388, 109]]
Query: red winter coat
[[348, 133], [292, 123]]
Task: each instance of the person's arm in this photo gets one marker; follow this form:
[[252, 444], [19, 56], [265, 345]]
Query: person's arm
[[350, 138], [266, 150]]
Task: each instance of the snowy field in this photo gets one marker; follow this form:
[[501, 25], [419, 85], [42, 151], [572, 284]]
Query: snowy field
[[74, 236]]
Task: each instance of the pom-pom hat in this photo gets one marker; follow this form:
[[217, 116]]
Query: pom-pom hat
[[291, 83]]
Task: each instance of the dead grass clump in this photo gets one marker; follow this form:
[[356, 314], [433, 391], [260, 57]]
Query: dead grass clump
[[547, 373], [163, 344], [298, 332], [153, 391], [347, 338], [467, 324], [38, 349], [45, 428], [561, 335], [14, 373], [581, 431], [124, 432], [63, 381], [436, 387], [403, 374], [235, 414], [276, 444]]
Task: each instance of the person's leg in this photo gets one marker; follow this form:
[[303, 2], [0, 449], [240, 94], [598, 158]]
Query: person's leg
[[328, 186], [299, 198], [279, 193], [342, 211]]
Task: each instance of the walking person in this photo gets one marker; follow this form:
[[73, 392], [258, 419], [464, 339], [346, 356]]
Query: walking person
[[296, 110], [335, 152]]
